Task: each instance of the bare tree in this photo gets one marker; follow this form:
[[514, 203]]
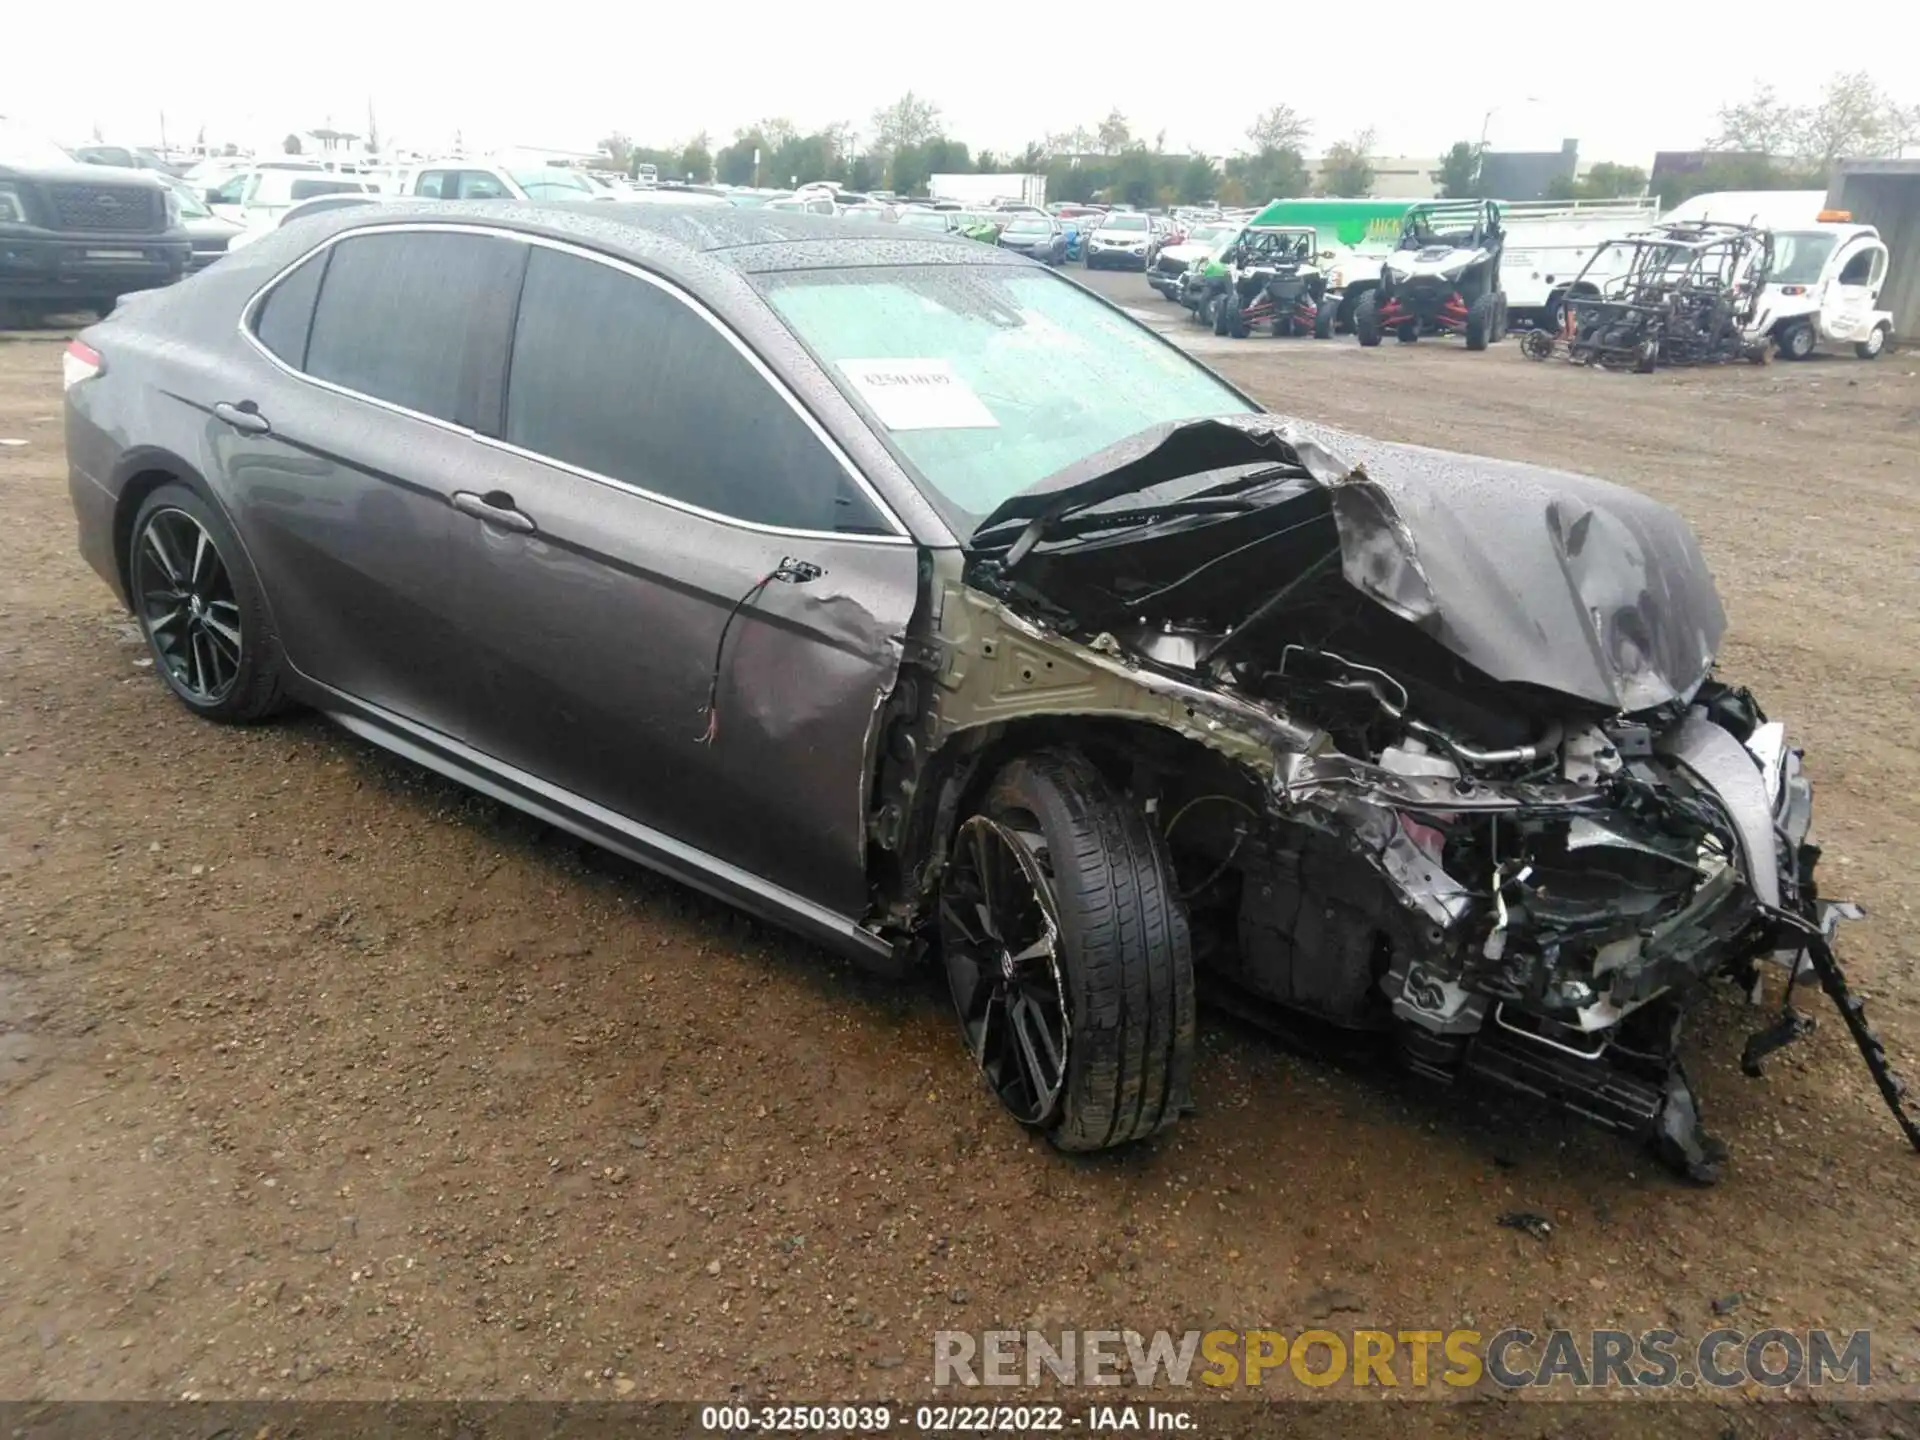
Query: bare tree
[[777, 131], [842, 139], [1281, 128], [618, 148], [1114, 135], [1853, 116], [1763, 123], [908, 121], [1347, 168]]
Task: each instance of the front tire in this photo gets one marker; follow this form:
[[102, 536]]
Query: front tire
[[202, 610], [1366, 318], [1797, 341], [1323, 320], [1068, 956], [1482, 316], [1870, 348]]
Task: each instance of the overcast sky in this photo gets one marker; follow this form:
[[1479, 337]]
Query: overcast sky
[[563, 73]]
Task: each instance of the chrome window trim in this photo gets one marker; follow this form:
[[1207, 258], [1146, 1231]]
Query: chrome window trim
[[901, 535]]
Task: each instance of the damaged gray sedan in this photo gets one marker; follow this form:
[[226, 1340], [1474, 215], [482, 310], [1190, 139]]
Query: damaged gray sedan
[[908, 595]]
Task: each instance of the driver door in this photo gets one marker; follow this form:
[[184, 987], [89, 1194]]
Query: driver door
[[683, 604], [1848, 301]]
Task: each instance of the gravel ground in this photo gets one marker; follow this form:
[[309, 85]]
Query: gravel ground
[[321, 1077]]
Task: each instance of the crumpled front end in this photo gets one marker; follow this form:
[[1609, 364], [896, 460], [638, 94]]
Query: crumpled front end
[[1451, 768]]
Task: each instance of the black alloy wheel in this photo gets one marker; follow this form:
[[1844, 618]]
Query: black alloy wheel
[[1000, 939], [186, 602]]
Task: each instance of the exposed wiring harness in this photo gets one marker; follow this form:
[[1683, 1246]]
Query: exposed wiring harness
[[1239, 837], [789, 571]]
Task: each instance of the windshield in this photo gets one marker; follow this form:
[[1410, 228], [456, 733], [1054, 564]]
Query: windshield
[[550, 182], [19, 146], [1207, 233], [1124, 222], [1799, 256], [191, 207], [1029, 227], [986, 379], [923, 220]]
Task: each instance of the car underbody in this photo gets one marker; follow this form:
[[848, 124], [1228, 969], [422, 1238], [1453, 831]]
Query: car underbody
[[1484, 804]]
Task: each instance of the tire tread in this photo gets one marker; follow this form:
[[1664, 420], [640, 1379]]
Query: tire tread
[[1128, 963]]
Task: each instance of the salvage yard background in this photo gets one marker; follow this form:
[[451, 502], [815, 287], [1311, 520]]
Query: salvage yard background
[[321, 1077]]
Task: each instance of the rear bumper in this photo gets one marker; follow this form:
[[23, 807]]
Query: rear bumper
[[94, 267], [93, 507]]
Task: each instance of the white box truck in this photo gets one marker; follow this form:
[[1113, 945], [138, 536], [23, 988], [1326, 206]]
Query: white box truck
[[983, 192]]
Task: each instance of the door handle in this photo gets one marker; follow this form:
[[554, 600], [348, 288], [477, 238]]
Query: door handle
[[495, 508], [244, 417]]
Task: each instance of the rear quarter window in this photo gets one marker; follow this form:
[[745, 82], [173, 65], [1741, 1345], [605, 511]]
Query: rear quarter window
[[282, 319]]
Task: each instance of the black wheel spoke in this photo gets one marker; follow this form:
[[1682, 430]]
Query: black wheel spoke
[[1040, 949], [162, 552], [202, 548], [983, 878], [1040, 1056], [224, 636], [990, 1036], [963, 915]]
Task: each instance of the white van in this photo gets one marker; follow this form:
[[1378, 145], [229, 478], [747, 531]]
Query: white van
[[1549, 242], [1826, 276]]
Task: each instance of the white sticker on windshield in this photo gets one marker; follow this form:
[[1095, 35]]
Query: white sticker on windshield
[[918, 395]]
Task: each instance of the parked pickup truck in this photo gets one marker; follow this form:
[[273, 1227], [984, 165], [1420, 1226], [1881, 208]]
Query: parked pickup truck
[[77, 237]]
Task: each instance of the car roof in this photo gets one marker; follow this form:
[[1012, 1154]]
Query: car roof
[[749, 241]]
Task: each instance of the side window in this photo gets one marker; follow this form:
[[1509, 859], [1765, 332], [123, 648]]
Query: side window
[[1859, 269], [413, 318], [479, 185], [228, 193], [432, 185], [619, 376], [282, 319]]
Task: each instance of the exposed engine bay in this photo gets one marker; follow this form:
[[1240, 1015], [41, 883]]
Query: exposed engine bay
[[1434, 744]]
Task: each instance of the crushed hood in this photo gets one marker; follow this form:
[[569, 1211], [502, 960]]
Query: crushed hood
[[1532, 576]]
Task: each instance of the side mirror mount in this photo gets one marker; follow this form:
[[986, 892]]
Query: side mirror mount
[[1327, 255]]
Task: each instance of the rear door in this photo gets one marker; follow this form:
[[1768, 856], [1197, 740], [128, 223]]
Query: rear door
[[688, 606], [379, 347]]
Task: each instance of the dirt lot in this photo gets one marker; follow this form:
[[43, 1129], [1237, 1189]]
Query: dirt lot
[[321, 1077]]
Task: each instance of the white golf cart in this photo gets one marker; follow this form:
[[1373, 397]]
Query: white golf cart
[[1825, 285]]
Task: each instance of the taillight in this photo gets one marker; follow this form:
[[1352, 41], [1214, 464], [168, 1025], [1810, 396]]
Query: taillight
[[81, 362]]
